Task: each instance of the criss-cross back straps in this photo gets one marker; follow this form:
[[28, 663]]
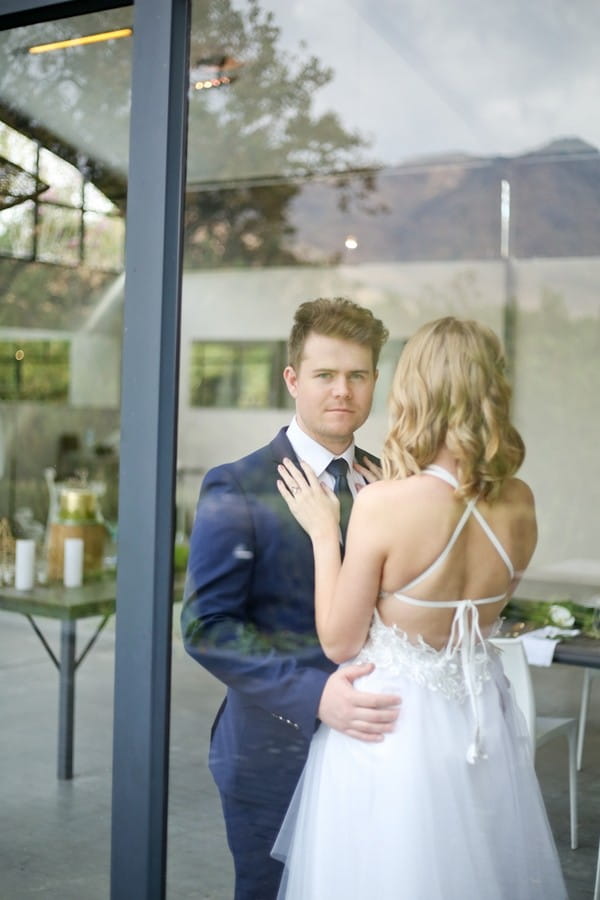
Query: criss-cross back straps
[[470, 508]]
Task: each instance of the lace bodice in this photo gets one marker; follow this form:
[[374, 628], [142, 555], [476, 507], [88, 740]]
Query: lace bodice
[[389, 648]]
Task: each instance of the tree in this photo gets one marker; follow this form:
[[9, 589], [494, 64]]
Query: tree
[[257, 140]]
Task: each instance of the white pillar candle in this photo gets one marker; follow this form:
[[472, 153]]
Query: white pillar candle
[[73, 562], [24, 564]]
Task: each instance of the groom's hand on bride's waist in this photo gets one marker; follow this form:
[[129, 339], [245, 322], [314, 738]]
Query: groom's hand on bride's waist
[[359, 714]]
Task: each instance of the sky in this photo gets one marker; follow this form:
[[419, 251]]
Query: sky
[[472, 76]]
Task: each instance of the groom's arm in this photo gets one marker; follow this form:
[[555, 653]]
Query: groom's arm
[[280, 670], [219, 630]]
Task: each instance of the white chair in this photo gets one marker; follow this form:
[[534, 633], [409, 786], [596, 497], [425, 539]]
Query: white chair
[[588, 674], [541, 728]]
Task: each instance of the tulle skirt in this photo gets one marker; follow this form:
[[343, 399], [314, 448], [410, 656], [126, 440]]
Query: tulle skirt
[[410, 818]]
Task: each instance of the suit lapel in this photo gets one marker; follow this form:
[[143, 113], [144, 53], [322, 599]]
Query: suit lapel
[[281, 447]]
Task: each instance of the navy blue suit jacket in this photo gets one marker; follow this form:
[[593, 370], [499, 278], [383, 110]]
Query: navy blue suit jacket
[[248, 617]]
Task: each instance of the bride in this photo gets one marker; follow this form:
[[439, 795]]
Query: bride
[[446, 807]]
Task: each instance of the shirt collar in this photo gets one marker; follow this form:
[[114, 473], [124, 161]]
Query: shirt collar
[[317, 456]]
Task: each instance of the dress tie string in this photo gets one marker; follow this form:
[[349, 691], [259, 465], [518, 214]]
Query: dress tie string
[[465, 637]]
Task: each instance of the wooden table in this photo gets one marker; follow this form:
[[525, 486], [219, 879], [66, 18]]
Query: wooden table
[[68, 605]]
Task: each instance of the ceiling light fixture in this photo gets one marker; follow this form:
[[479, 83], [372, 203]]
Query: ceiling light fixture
[[79, 41], [213, 82]]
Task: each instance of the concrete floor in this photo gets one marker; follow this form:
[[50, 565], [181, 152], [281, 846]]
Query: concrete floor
[[55, 836]]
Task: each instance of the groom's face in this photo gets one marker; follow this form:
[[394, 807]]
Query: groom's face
[[333, 389]]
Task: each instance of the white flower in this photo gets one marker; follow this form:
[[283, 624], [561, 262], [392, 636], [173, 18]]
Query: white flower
[[560, 615]]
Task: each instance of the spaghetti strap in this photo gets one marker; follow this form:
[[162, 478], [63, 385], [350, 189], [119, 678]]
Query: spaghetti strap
[[470, 508], [442, 473], [501, 551], [440, 559]]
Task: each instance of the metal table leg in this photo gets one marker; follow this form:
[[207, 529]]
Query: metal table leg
[[66, 699], [67, 666]]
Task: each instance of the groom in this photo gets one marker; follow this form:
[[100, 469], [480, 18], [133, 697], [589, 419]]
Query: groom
[[248, 613]]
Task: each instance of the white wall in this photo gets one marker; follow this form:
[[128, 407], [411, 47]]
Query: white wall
[[95, 370], [259, 304], [557, 401], [556, 380]]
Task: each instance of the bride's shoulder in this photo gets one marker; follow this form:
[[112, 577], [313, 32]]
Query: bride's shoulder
[[515, 490], [405, 490]]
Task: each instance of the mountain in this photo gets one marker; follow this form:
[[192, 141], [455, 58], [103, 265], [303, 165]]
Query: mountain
[[448, 208]]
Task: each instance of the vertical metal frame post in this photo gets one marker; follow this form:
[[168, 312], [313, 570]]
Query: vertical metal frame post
[[158, 132], [150, 370]]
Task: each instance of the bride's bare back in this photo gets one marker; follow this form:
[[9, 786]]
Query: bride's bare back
[[402, 528]]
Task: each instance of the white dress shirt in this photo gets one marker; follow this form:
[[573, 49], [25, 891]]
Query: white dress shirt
[[318, 457]]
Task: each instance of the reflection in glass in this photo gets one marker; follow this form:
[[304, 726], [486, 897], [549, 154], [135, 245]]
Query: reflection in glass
[[104, 240], [61, 252], [58, 231], [423, 160], [65, 182], [17, 230], [244, 375], [64, 120], [395, 123], [404, 133], [58, 226], [34, 371], [416, 168]]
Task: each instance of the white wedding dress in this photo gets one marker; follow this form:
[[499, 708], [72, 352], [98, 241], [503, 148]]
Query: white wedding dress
[[447, 806]]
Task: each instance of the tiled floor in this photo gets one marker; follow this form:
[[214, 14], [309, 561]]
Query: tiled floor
[[55, 836]]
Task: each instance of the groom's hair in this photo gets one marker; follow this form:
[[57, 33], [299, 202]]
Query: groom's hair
[[335, 317]]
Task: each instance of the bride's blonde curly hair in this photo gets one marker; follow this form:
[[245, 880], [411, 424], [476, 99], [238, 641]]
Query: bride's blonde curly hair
[[450, 387]]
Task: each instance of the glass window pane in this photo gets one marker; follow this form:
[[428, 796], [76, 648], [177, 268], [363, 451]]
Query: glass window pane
[[95, 200], [64, 123], [236, 375], [17, 148], [211, 373], [59, 234], [104, 241], [17, 225], [34, 371], [65, 182], [432, 159]]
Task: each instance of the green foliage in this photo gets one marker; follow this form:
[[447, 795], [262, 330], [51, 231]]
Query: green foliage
[[538, 613], [262, 128], [34, 370], [264, 122]]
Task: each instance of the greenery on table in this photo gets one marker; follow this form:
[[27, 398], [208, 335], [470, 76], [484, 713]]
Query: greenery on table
[[539, 613]]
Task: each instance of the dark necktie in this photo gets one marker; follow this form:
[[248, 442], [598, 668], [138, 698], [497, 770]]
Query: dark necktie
[[339, 469]]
